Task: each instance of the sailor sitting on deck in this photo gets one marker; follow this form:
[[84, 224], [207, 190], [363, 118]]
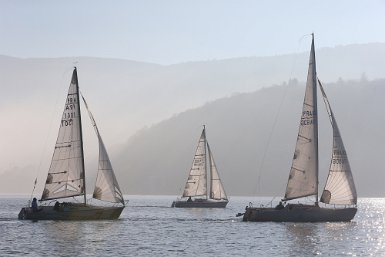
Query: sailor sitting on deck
[[56, 207], [189, 199], [280, 206]]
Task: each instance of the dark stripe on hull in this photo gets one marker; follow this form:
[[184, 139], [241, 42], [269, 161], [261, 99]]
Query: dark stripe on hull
[[74, 212], [299, 213], [199, 204]]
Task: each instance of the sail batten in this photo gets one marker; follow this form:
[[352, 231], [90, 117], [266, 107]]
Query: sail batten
[[303, 176], [196, 184], [296, 197], [106, 186], [67, 160], [339, 187], [66, 174], [203, 187]]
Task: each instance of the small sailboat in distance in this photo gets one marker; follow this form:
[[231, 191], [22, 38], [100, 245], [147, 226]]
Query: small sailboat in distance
[[339, 194], [196, 193], [66, 176]]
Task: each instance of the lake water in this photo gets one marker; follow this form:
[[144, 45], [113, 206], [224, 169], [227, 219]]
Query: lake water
[[149, 227]]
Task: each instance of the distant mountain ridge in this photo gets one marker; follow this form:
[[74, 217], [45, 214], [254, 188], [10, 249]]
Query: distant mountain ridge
[[126, 96], [252, 154]]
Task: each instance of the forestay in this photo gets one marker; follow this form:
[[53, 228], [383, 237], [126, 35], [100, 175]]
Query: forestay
[[66, 173], [196, 184], [303, 177], [217, 191], [106, 186], [339, 188]]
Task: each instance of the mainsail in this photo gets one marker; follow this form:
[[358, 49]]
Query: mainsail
[[217, 191], [303, 177], [339, 188], [196, 184], [106, 186], [66, 173]]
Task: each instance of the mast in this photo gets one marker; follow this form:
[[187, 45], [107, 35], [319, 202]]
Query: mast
[[316, 116], [211, 171], [303, 176], [81, 135], [196, 184], [205, 145]]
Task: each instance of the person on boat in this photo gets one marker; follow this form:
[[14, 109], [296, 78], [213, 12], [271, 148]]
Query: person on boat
[[34, 205], [56, 206], [189, 199], [280, 206]]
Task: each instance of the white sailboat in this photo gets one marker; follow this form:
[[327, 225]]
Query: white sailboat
[[66, 176], [303, 182], [196, 193]]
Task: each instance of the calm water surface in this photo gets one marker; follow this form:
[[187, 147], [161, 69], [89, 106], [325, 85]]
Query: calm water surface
[[149, 227]]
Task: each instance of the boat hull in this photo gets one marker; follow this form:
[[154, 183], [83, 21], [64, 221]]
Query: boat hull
[[199, 204], [299, 213], [71, 212]]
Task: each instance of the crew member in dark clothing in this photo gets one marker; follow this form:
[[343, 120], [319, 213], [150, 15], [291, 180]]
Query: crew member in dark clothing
[[34, 205], [280, 206]]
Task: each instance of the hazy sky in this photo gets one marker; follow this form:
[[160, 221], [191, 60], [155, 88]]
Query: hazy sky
[[173, 31]]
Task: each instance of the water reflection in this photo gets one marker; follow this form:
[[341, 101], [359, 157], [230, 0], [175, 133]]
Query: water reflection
[[59, 233], [70, 238], [304, 237], [156, 231], [322, 238]]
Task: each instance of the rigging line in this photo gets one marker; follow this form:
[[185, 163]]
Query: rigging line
[[59, 86], [257, 189]]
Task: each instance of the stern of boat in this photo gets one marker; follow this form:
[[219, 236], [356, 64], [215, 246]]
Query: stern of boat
[[23, 213]]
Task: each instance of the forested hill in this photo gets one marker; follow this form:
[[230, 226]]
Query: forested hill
[[252, 137]]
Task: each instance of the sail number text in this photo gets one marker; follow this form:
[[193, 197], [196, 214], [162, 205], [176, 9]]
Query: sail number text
[[69, 112], [198, 162], [338, 161], [307, 118]]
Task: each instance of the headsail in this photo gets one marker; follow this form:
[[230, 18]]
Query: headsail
[[106, 186], [217, 191], [303, 178], [196, 184], [339, 188], [66, 173]]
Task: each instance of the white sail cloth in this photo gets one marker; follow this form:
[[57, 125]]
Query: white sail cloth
[[217, 191], [196, 184], [66, 173], [106, 186], [339, 187], [303, 177], [66, 176]]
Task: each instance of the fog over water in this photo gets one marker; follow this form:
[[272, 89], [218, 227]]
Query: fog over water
[[252, 134], [154, 72]]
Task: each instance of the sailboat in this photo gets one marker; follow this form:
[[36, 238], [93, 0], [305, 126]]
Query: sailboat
[[339, 194], [66, 176], [196, 193]]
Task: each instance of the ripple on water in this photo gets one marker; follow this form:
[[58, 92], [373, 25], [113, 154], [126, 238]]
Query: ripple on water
[[151, 228]]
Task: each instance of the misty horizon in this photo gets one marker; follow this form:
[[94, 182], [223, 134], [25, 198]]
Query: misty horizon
[[155, 61]]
